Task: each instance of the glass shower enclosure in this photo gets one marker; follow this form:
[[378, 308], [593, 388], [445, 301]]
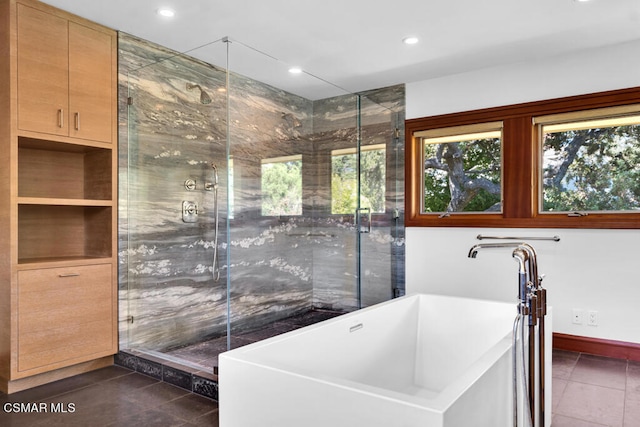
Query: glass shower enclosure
[[249, 207]]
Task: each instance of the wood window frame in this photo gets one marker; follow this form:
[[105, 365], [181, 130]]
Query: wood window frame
[[520, 163]]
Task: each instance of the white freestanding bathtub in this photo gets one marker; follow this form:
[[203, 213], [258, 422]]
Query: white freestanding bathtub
[[421, 360]]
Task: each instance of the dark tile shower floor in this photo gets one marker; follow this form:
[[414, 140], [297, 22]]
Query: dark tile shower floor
[[205, 354]]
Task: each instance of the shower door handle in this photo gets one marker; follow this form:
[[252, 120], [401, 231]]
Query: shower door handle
[[363, 220]]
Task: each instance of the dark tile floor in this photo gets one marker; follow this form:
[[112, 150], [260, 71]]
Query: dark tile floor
[[593, 391], [117, 396], [112, 396], [588, 391]]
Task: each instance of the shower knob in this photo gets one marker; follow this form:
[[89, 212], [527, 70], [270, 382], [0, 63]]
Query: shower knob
[[190, 184]]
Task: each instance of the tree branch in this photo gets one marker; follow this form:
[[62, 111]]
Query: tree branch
[[478, 184], [554, 177], [434, 163]]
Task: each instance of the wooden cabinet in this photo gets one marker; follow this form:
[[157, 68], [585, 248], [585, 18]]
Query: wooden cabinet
[[65, 76], [58, 192], [64, 314]]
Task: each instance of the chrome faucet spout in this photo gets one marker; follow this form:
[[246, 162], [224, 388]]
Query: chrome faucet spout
[[524, 254], [522, 257], [473, 252], [532, 263]]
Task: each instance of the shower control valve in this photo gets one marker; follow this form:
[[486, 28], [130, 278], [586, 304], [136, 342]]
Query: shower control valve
[[189, 211]]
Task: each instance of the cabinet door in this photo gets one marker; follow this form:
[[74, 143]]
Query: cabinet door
[[43, 76], [65, 316], [90, 83]]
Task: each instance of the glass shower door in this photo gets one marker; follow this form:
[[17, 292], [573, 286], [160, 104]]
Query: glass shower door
[[381, 182], [176, 130], [302, 167], [292, 261]]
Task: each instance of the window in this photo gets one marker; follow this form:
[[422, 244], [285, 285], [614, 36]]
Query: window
[[569, 162], [344, 182], [462, 168], [590, 164], [282, 186]]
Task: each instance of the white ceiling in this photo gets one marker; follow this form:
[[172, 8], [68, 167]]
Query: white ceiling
[[357, 44]]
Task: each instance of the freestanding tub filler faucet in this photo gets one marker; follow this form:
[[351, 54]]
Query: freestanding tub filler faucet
[[532, 305]]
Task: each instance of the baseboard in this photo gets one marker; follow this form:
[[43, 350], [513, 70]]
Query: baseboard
[[597, 346]]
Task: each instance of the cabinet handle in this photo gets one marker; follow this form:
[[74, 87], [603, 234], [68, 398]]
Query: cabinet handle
[[77, 120], [68, 275], [60, 117]]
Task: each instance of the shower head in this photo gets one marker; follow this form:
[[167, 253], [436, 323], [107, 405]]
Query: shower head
[[204, 96]]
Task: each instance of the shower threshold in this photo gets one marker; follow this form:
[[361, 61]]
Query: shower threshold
[[204, 355], [195, 367]]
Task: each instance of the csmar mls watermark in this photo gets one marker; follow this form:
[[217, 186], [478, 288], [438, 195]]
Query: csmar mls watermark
[[39, 407]]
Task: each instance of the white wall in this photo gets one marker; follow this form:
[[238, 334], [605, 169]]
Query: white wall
[[588, 269], [595, 70]]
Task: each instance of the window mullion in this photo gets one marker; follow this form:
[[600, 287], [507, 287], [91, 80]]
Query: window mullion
[[518, 175]]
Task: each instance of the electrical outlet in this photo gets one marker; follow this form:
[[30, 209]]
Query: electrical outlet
[[577, 315], [592, 319]]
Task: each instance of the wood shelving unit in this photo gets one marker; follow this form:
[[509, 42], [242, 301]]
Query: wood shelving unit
[[58, 196]]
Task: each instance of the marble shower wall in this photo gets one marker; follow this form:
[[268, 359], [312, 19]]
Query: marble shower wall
[[278, 266]]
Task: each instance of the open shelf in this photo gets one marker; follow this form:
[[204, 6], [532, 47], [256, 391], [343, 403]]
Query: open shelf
[[65, 201], [48, 232], [62, 202], [66, 171]]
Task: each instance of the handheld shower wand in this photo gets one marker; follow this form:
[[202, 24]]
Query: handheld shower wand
[[215, 175]]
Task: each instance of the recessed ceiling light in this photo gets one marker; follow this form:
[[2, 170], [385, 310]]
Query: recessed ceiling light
[[166, 12], [295, 70], [410, 40]]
